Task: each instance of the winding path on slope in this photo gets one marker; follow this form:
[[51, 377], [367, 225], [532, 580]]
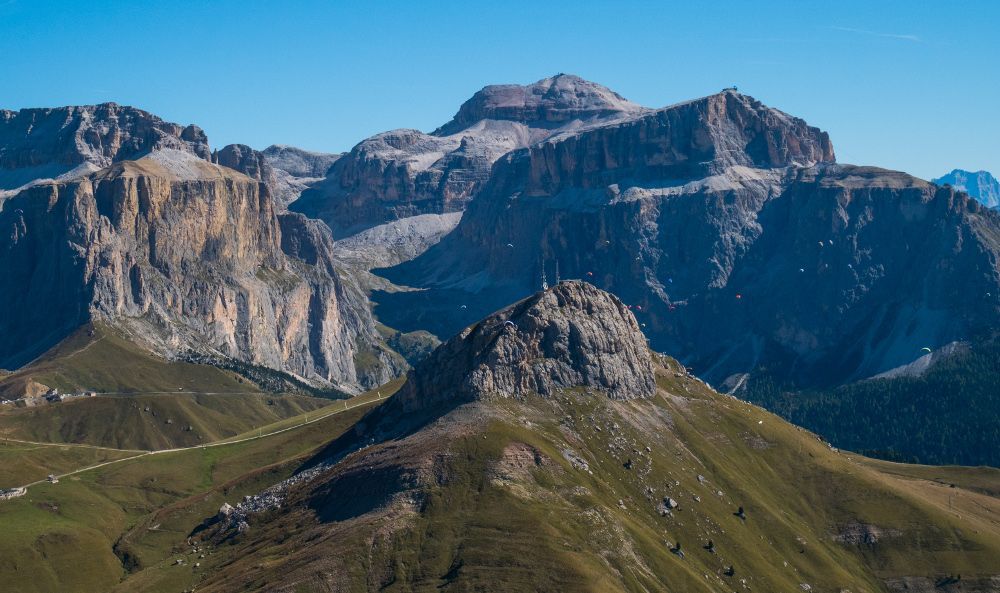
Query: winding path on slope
[[339, 410]]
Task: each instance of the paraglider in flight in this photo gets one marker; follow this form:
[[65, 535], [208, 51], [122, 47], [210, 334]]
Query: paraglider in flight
[[607, 242], [510, 323], [926, 349], [802, 269], [510, 244], [464, 307], [670, 280], [643, 324], [820, 243]]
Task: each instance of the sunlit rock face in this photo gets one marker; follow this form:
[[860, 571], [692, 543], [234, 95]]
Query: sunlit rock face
[[404, 173], [182, 255]]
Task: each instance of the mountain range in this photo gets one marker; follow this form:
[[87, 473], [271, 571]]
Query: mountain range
[[738, 241]]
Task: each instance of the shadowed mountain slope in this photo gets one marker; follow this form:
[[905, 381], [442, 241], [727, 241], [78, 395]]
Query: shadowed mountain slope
[[735, 238]]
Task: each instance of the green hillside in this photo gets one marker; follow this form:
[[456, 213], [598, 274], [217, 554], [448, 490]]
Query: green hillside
[[562, 494], [92, 530], [146, 422], [546, 494], [98, 359], [21, 463]]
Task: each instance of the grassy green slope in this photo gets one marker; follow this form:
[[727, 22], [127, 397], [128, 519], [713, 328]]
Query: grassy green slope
[[97, 359], [506, 510], [64, 537], [152, 403], [23, 463], [151, 421]]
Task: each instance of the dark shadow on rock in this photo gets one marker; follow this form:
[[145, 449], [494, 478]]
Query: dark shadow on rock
[[385, 423], [344, 493], [357, 492]]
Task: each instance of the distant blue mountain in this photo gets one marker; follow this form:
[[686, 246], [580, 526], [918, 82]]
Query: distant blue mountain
[[980, 185]]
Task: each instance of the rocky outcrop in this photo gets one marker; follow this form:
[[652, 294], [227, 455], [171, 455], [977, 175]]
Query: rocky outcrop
[[181, 255], [734, 236], [405, 173], [571, 335], [385, 177], [297, 162], [286, 170], [244, 159], [294, 170], [549, 102], [51, 143], [979, 185]]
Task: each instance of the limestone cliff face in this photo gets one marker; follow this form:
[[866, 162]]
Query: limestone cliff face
[[734, 236], [298, 162], [182, 255], [688, 141], [52, 142], [571, 335], [405, 173]]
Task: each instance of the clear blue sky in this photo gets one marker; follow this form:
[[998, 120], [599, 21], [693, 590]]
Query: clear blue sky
[[907, 85]]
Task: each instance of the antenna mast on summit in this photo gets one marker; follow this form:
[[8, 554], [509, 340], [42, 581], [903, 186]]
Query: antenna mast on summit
[[557, 271], [545, 281]]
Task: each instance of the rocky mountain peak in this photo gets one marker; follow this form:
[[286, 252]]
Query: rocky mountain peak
[[570, 335], [402, 173], [51, 143], [980, 185], [686, 141], [767, 136], [738, 239], [549, 102], [185, 257]]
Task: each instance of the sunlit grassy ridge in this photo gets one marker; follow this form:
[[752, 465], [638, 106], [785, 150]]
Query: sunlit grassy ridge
[[98, 359], [162, 421]]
